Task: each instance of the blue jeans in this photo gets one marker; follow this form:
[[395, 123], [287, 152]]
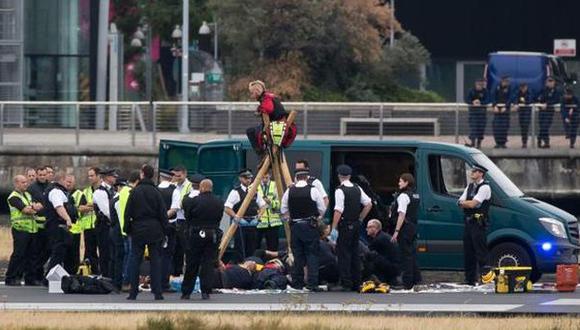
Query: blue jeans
[[126, 258]]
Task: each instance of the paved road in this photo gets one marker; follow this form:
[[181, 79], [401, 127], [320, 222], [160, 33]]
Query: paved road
[[481, 302]]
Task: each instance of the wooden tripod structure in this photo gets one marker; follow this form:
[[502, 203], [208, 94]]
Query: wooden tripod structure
[[274, 160]]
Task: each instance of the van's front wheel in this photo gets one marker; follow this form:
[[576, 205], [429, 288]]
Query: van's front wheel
[[513, 255]]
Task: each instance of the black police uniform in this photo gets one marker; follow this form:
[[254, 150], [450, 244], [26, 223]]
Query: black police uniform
[[550, 96], [59, 236], [475, 250], [477, 115], [305, 237], [117, 247], [569, 110], [246, 239], [383, 259], [501, 120], [169, 249], [102, 230], [203, 215], [349, 264], [41, 245], [407, 240], [523, 100]]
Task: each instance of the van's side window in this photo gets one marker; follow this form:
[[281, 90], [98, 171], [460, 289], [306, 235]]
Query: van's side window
[[448, 174]]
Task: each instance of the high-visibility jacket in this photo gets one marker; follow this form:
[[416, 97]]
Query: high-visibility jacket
[[123, 198], [19, 220], [185, 190], [76, 227], [87, 220], [271, 215]]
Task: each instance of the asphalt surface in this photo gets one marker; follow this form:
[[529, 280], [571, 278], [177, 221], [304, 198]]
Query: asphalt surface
[[430, 302]]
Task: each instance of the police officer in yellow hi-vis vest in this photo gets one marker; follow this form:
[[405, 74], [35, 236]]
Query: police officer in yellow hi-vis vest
[[269, 219], [88, 217], [76, 231], [24, 228]]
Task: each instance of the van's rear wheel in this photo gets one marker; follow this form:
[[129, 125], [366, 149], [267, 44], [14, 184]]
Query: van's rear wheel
[[513, 255]]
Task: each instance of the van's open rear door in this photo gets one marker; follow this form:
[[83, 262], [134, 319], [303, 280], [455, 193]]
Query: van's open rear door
[[173, 153]]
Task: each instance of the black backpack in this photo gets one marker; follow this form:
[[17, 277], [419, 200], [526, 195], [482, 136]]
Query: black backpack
[[86, 285]]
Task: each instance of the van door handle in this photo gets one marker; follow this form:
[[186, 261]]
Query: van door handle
[[435, 208]]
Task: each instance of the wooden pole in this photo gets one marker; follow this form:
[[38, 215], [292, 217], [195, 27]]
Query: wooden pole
[[245, 203], [285, 170]]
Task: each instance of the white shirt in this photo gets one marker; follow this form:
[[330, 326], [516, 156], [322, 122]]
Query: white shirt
[[318, 185], [483, 194], [176, 200], [57, 198], [403, 202], [164, 184], [101, 199], [234, 198], [194, 193], [339, 197], [314, 195]]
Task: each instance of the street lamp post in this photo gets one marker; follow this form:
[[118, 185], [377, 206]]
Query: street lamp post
[[205, 30], [392, 41], [144, 33], [184, 115]]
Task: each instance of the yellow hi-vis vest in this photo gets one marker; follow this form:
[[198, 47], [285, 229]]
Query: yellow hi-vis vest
[[271, 215], [185, 190], [76, 227], [87, 220], [19, 220], [123, 198]]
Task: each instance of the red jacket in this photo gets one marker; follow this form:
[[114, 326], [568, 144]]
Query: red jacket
[[270, 104]]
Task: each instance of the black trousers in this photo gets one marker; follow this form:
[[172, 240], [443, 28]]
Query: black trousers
[[72, 258], [306, 249], [179, 250], [90, 238], [477, 118], [501, 125], [117, 250], [167, 266], [41, 252], [349, 263], [60, 244], [246, 241], [525, 117], [103, 244], [252, 133], [271, 235], [545, 119], [475, 251], [201, 257], [21, 261], [410, 273], [137, 251]]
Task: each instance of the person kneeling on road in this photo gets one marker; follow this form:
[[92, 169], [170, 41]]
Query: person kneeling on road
[[382, 261]]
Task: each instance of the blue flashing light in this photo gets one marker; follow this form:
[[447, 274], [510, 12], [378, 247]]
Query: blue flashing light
[[547, 246]]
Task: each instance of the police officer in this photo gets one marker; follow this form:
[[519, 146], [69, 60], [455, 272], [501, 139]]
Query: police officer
[[477, 100], [475, 202], [88, 220], [522, 101], [102, 199], [269, 220], [501, 112], [116, 233], [121, 207], [182, 188], [166, 187], [351, 206], [303, 206], [22, 213], [61, 214], [203, 214], [569, 111], [312, 180], [549, 98], [41, 249], [405, 210], [246, 236], [75, 230]]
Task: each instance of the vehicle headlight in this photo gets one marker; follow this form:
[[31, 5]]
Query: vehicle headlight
[[554, 226]]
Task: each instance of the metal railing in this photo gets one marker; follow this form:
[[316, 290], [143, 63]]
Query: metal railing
[[143, 123]]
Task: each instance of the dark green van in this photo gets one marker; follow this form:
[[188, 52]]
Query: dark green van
[[523, 230]]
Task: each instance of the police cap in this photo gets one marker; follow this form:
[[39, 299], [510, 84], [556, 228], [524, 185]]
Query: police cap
[[197, 178], [165, 173], [109, 172], [246, 172], [302, 171], [479, 168], [344, 170]]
